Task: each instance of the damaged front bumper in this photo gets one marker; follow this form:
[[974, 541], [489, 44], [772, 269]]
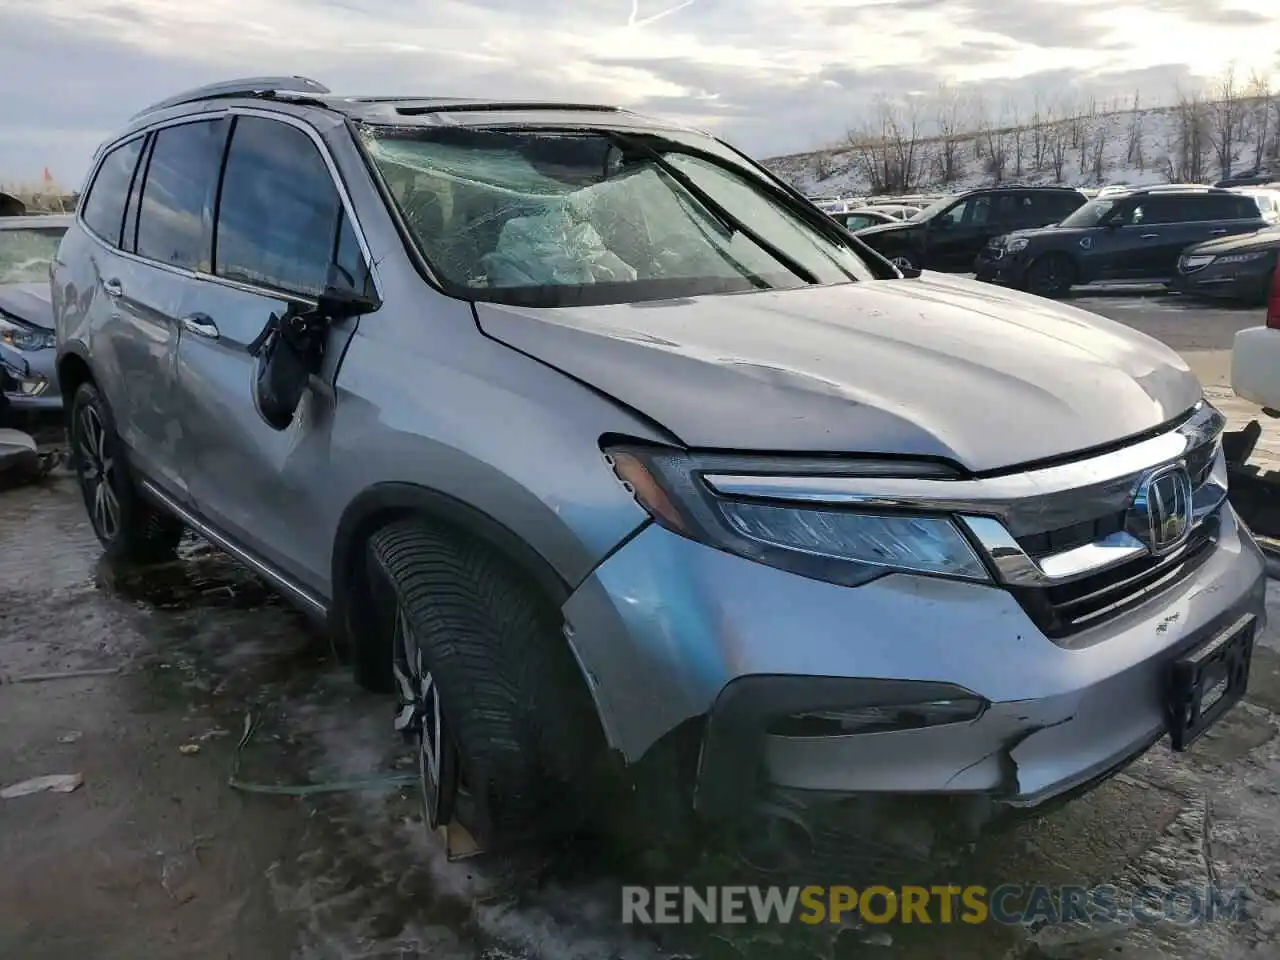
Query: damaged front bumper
[[668, 630]]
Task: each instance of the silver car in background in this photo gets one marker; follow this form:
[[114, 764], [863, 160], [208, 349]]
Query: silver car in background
[[28, 378], [604, 450]]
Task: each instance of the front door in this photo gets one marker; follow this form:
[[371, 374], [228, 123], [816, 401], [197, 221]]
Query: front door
[[283, 236], [955, 236]]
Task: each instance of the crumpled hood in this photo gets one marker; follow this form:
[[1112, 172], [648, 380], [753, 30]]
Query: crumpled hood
[[937, 366], [1268, 239], [28, 301]]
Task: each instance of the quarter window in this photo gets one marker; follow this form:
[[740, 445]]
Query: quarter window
[[103, 209], [181, 177], [281, 222]]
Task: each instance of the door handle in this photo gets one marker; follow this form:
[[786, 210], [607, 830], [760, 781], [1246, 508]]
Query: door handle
[[1151, 236], [1217, 233], [201, 326], [113, 287]]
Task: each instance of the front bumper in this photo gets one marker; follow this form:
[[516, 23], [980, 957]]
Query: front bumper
[[1001, 267], [1247, 282], [29, 380], [1255, 366], [667, 630]]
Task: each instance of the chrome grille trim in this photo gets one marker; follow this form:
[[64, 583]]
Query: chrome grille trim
[[1030, 502]]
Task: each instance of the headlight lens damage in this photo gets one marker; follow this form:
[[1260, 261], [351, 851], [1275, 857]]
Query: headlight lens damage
[[835, 544]]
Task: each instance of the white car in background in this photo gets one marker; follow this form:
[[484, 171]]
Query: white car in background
[[1267, 198], [1255, 356]]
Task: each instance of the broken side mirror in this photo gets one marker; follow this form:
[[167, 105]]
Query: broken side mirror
[[337, 304]]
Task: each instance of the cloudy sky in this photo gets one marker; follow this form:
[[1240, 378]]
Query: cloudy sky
[[775, 76]]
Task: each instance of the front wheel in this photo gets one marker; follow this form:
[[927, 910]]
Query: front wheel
[[1051, 276], [488, 691], [130, 529]]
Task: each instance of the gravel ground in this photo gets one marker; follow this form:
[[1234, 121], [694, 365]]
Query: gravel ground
[[157, 856]]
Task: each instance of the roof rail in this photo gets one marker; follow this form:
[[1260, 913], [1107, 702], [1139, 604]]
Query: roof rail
[[244, 87]]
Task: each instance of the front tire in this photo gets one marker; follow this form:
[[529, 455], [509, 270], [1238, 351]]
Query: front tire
[[1051, 276], [488, 689], [130, 529]]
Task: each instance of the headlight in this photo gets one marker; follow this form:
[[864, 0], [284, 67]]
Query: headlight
[[1240, 257], [831, 543], [1018, 243], [21, 337]]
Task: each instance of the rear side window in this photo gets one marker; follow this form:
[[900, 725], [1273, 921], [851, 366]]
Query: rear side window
[[1061, 204], [181, 177], [280, 219], [1247, 208], [103, 208]]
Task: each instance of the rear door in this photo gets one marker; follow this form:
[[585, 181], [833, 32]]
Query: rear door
[[1162, 230], [1225, 214], [283, 234]]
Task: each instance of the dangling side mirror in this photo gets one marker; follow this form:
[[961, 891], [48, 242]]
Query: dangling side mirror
[[337, 304]]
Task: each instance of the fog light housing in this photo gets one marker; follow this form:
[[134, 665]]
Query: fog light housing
[[878, 719]]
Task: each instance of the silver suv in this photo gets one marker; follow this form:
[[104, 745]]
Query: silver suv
[[594, 441]]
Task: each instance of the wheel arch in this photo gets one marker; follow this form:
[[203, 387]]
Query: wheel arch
[[73, 369], [388, 501]]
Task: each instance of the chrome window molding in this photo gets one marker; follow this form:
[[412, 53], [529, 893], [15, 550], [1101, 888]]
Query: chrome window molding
[[275, 293]]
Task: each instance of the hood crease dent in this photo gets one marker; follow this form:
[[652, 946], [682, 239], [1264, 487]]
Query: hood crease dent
[[938, 367]]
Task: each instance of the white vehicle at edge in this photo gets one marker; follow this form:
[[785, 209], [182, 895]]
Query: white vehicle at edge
[[1255, 356]]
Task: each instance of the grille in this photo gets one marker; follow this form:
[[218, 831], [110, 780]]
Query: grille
[[1067, 608], [1037, 545]]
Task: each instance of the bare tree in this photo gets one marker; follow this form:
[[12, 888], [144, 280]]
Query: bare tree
[[991, 143], [1017, 136], [1133, 138], [1258, 115], [1041, 118], [886, 149], [950, 123], [1187, 149], [1225, 114], [1059, 135], [1101, 137]]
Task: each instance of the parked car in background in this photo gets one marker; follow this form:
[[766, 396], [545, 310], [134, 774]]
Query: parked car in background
[[1135, 236], [28, 375], [1255, 355], [1258, 176], [585, 496], [1267, 199], [951, 232], [863, 217], [899, 211], [1240, 267]]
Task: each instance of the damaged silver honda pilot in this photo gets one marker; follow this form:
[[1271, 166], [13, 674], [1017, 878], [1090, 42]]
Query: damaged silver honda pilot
[[593, 440]]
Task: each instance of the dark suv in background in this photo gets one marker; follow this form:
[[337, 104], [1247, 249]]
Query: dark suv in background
[[951, 232], [1136, 235]]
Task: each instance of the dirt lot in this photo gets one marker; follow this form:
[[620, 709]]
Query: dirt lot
[[156, 855]]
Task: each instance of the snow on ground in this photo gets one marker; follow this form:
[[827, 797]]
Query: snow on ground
[[1138, 147]]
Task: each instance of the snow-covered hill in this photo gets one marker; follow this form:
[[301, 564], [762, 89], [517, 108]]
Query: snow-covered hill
[[912, 147]]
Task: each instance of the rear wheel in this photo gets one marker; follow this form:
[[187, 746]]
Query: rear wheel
[[488, 691], [1051, 276], [130, 529]]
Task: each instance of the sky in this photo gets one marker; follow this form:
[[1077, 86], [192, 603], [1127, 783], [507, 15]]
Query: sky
[[772, 76]]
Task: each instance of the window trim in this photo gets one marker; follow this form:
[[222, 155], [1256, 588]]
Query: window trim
[[206, 230], [93, 182], [335, 175]]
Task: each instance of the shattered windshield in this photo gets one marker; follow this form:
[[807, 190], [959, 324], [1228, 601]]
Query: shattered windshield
[[552, 218], [25, 254]]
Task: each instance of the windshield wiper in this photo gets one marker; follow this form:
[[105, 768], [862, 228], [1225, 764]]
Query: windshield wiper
[[717, 210]]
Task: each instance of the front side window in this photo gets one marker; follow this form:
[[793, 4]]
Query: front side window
[[181, 176], [280, 219], [26, 253], [555, 219], [103, 207]]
